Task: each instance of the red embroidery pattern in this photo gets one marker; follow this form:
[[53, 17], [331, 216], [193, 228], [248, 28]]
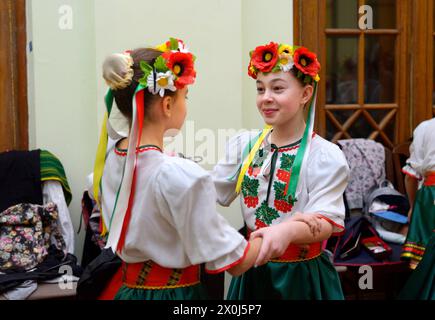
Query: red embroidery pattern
[[124, 153]]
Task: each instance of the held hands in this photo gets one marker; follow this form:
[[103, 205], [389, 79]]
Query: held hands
[[276, 238], [312, 220]]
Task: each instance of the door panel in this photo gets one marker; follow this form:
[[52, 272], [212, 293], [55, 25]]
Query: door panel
[[13, 78]]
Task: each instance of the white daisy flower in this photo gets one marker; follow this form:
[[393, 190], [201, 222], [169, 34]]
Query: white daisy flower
[[163, 81], [285, 62], [182, 47]]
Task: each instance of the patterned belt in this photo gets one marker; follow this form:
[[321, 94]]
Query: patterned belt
[[149, 275], [430, 179], [298, 253]]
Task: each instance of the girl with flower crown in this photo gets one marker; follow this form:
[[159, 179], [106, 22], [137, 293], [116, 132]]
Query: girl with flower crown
[[291, 182], [158, 210]]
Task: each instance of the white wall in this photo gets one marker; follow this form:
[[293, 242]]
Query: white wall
[[211, 29], [62, 85], [262, 22], [66, 89]]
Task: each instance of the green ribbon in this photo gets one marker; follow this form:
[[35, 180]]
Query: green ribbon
[[296, 168]]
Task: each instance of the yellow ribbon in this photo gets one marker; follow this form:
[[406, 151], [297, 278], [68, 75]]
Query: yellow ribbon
[[99, 167], [247, 162]]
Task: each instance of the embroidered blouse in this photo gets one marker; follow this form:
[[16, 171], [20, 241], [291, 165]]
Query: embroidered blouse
[[263, 197], [174, 220]]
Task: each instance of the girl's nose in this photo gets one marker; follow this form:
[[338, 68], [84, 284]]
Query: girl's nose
[[267, 97]]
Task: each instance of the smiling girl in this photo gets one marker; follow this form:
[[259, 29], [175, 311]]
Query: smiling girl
[[291, 182]]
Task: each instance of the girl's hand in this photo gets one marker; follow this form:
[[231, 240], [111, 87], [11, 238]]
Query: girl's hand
[[312, 220], [276, 239]]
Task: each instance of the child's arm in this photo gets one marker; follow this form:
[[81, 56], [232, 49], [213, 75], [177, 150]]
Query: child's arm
[[411, 186], [277, 238], [249, 260]]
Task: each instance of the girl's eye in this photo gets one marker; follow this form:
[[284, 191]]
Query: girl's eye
[[260, 90], [278, 88]]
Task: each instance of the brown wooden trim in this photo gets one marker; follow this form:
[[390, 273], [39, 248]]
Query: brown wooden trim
[[23, 129], [361, 60], [364, 106], [321, 52], [296, 22], [430, 54], [342, 106], [381, 106], [356, 32], [13, 102], [420, 48], [403, 92]]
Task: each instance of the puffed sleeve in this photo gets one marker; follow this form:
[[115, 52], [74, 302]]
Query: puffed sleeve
[[186, 197], [415, 161], [227, 170], [327, 178]]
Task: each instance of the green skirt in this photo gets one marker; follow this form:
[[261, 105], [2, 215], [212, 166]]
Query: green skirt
[[421, 283], [421, 226], [195, 292], [314, 279]]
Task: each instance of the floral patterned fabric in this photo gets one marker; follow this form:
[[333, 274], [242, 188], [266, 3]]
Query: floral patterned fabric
[[366, 159], [26, 232]]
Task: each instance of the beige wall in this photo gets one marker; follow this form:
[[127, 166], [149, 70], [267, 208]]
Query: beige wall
[[66, 89], [62, 85], [262, 22]]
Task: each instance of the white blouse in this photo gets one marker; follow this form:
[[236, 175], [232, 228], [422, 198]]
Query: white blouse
[[174, 220], [422, 151], [322, 182]]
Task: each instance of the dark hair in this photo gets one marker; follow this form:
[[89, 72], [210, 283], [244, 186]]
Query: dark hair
[[294, 71], [124, 97]]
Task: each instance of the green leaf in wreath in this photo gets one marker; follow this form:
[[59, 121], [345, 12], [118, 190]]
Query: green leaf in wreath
[[160, 64]]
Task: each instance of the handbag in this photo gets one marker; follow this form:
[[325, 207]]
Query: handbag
[[26, 232], [97, 274]]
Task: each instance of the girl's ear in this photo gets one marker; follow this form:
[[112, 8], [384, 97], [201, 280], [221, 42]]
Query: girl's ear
[[166, 104], [307, 93]]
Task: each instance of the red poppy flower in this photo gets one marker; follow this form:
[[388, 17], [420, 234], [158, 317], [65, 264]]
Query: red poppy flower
[[181, 65], [264, 58], [306, 62], [252, 72]]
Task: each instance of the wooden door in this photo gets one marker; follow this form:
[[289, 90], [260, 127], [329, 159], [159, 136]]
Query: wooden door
[[376, 82], [13, 78]]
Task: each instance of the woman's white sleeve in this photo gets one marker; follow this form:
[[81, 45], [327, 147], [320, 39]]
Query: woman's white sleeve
[[328, 174], [415, 161], [227, 170], [187, 198]]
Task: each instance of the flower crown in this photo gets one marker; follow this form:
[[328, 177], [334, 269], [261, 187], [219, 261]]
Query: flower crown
[[275, 57], [172, 70]]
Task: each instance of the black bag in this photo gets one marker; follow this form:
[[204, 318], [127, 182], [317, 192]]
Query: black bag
[[97, 274]]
